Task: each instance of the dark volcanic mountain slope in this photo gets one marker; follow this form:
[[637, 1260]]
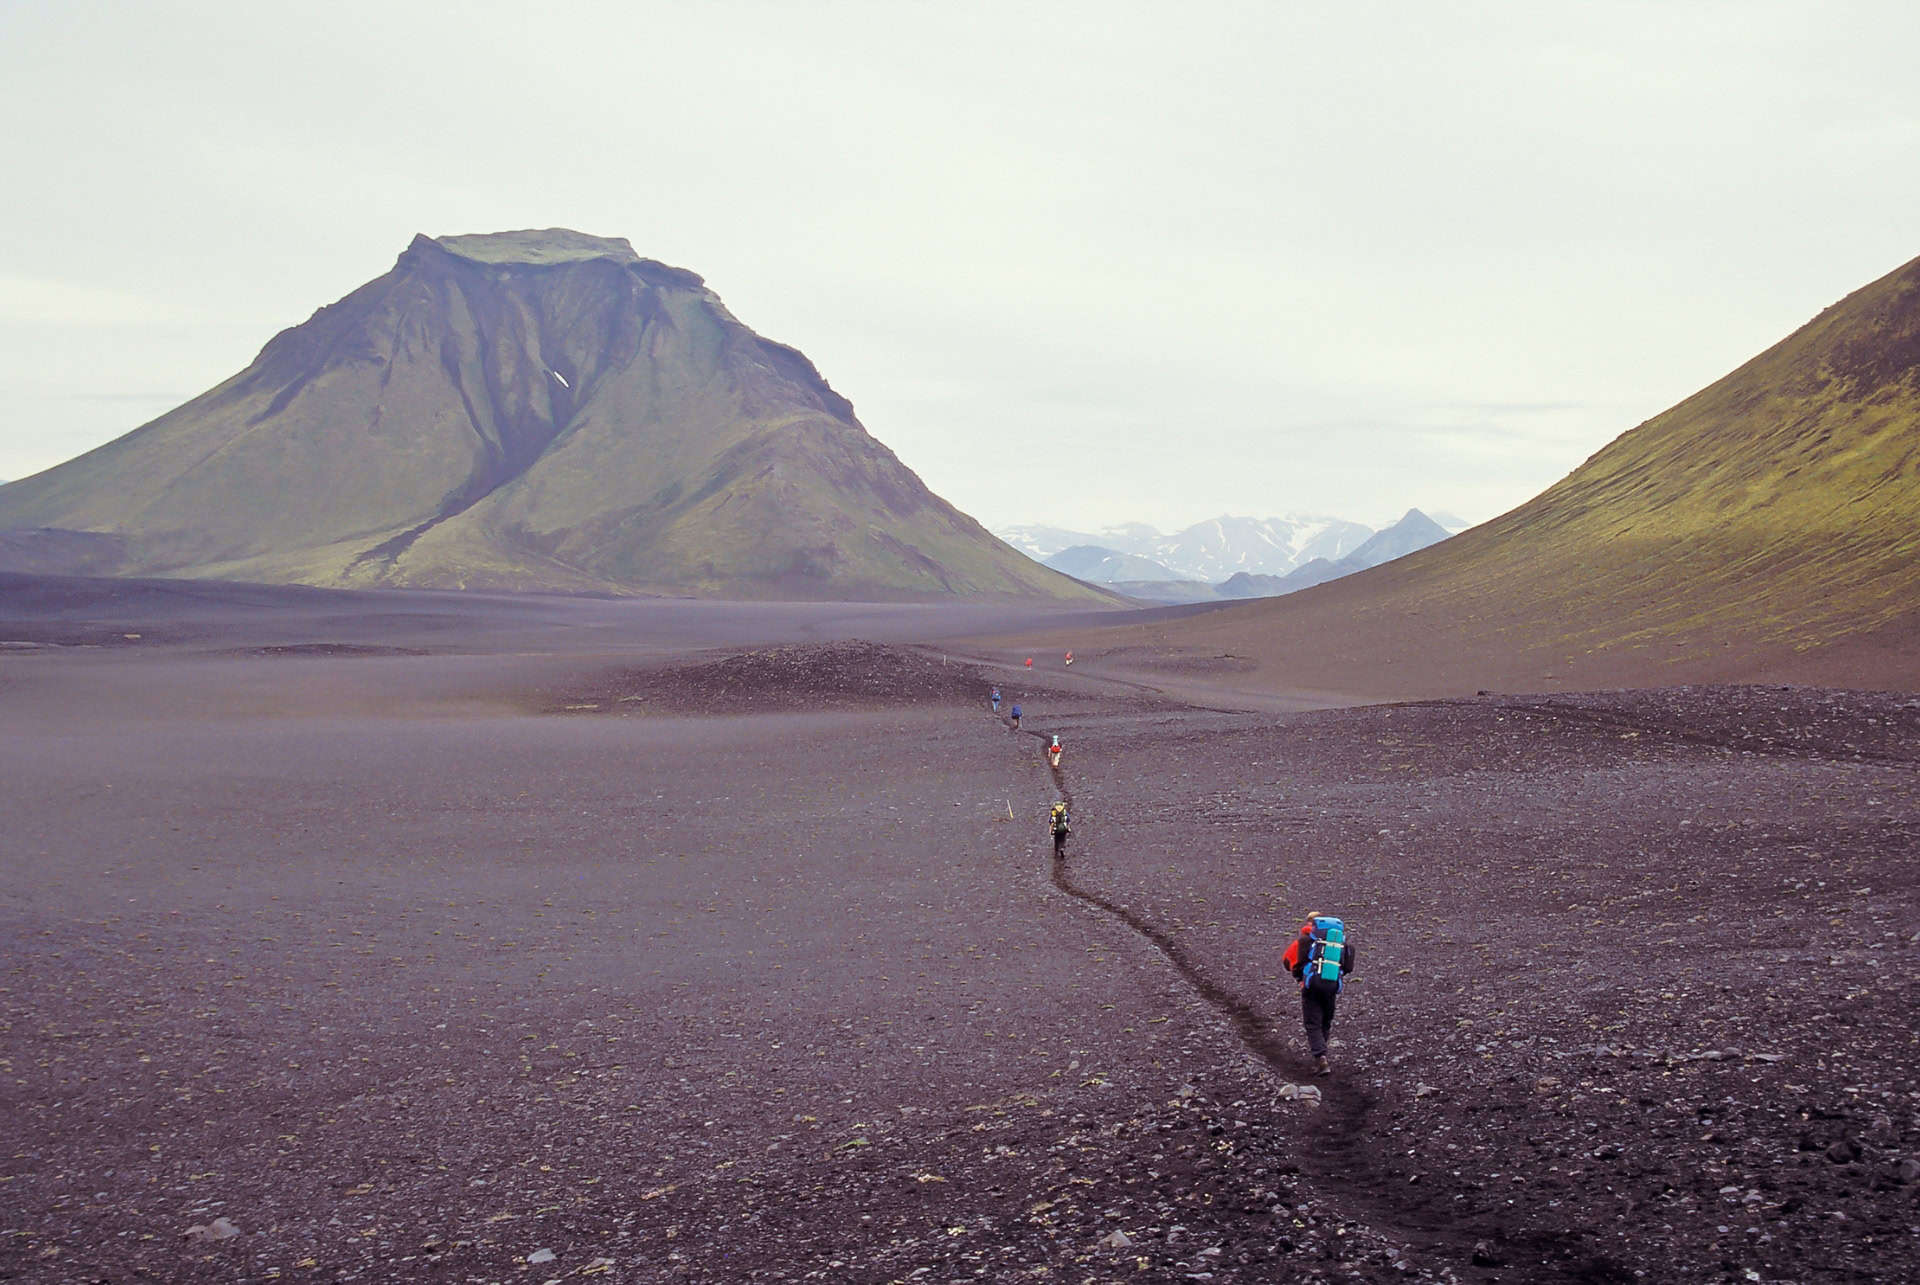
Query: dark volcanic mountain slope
[[540, 410], [1769, 525]]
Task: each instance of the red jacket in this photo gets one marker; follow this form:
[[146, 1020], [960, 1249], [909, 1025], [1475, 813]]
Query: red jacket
[[1295, 958]]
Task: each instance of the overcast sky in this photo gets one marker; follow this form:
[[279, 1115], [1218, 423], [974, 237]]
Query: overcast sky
[[1074, 263]]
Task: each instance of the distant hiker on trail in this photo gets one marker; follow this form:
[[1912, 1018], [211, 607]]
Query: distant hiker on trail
[[1053, 752], [994, 696], [1016, 718], [1069, 656], [1319, 959], [1029, 662], [1059, 828]]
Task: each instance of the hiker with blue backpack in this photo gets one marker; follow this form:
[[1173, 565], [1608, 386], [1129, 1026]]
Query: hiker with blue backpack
[[1319, 959]]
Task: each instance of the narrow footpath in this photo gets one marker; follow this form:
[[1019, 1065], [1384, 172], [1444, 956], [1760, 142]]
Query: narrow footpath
[[1343, 1158]]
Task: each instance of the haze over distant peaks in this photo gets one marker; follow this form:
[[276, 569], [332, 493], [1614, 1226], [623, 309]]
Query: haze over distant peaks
[[522, 410], [1413, 532], [1238, 556]]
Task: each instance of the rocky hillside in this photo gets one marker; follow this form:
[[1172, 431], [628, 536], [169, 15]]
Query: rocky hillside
[[1767, 526], [525, 410]]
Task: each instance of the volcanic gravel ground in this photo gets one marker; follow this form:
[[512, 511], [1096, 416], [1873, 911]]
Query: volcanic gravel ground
[[1631, 1000], [787, 995], [1759, 720], [679, 999]]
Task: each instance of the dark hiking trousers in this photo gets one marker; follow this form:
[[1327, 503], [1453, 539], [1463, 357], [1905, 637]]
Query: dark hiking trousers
[[1317, 999]]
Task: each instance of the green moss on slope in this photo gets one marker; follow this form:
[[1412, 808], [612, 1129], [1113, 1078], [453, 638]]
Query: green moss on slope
[[1772, 514], [1781, 499], [534, 410]]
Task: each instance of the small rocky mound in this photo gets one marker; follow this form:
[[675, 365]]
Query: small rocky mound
[[840, 675], [332, 649]]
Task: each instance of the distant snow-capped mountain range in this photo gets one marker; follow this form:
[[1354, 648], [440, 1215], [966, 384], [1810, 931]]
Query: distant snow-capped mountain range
[[1218, 549]]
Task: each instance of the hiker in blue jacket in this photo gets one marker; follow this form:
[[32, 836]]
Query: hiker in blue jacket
[[1016, 718], [1319, 959], [994, 696]]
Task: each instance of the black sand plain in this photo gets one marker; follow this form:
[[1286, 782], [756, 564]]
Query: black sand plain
[[413, 937]]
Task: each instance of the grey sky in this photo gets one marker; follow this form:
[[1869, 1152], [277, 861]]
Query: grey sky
[[1074, 263]]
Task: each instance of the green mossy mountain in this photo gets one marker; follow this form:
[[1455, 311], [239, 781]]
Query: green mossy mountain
[[1767, 526], [1782, 501], [533, 411]]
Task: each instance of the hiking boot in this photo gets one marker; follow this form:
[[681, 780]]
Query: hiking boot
[[1321, 1066]]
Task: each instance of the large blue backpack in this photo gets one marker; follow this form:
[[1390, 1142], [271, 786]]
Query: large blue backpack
[[1326, 950]]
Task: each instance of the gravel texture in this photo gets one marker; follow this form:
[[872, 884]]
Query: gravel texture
[[308, 979]]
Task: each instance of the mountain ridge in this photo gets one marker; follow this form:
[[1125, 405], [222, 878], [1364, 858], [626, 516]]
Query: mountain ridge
[[1130, 573], [1210, 550]]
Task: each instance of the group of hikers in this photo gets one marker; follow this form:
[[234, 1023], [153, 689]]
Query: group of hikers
[[1058, 825], [1319, 957]]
